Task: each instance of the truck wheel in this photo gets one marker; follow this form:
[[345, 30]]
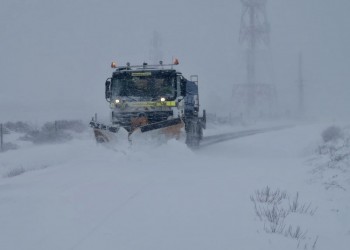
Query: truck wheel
[[193, 134]]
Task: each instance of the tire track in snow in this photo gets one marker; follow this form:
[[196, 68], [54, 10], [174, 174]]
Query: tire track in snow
[[210, 140]]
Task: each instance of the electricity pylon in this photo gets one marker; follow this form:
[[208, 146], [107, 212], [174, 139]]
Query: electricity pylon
[[254, 98]]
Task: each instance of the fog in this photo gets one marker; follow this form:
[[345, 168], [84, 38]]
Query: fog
[[56, 55]]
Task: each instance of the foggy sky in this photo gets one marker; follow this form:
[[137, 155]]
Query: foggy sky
[[56, 55]]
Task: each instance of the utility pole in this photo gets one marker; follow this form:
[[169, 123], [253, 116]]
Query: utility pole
[[1, 137], [56, 127], [301, 107]]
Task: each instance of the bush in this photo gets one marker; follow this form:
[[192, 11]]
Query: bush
[[334, 154], [74, 125], [332, 133], [15, 172], [46, 136], [272, 207], [57, 131], [8, 146], [19, 127]]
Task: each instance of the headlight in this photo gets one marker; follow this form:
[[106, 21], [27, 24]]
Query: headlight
[[117, 101], [162, 99]]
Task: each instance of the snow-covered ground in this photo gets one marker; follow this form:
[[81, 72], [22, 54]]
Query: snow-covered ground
[[80, 195]]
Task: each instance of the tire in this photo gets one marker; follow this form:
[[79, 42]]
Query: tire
[[193, 134]]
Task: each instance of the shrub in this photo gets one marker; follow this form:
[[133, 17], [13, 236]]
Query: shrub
[[20, 127], [57, 131], [332, 133], [8, 146], [273, 207], [47, 135], [14, 172]]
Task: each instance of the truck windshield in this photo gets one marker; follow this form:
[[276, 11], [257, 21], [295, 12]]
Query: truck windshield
[[149, 87]]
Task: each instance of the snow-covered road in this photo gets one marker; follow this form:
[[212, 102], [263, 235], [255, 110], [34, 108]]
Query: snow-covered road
[[86, 196]]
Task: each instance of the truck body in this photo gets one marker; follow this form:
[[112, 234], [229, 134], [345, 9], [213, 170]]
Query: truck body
[[152, 97]]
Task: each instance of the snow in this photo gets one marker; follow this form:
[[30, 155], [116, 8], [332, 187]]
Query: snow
[[80, 195]]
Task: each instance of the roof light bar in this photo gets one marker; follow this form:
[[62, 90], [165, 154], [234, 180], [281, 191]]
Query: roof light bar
[[144, 65]]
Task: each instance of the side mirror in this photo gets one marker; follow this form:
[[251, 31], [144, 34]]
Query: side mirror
[[108, 92], [183, 83]]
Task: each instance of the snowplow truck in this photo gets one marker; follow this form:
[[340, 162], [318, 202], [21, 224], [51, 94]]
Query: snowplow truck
[[146, 97]]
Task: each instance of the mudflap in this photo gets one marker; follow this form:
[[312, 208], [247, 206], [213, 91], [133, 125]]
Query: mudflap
[[194, 133]]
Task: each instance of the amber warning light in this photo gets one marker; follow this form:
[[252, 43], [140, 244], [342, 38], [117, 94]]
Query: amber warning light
[[113, 65]]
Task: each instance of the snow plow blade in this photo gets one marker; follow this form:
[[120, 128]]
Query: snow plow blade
[[97, 125], [104, 133], [158, 125], [157, 132]]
